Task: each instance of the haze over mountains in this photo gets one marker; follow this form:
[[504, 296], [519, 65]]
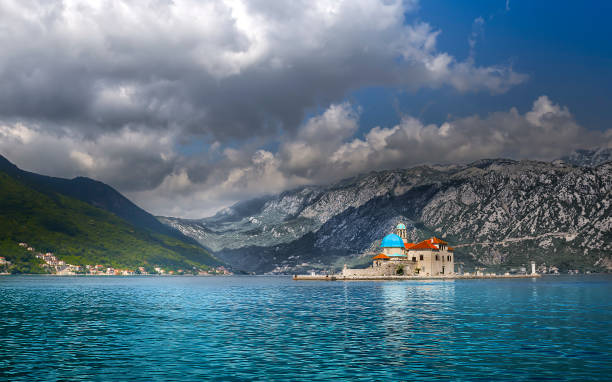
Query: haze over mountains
[[495, 212]]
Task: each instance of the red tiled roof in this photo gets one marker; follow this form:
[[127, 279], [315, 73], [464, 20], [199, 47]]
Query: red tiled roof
[[450, 249], [425, 245], [435, 240], [408, 245], [381, 256]]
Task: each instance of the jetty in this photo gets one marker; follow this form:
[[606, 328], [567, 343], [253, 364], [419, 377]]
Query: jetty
[[422, 278]]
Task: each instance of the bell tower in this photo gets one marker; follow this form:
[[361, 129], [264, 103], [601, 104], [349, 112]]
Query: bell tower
[[400, 230]]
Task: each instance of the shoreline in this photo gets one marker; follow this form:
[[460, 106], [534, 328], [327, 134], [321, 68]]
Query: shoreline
[[103, 275], [331, 277], [383, 278]]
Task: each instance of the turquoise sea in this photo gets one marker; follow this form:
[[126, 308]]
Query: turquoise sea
[[274, 328]]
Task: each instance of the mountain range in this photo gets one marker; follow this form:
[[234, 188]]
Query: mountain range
[[84, 221], [497, 213]]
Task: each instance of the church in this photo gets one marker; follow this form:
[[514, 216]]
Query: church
[[398, 257]]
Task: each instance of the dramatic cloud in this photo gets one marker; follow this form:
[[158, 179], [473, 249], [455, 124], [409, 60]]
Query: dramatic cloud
[[224, 69], [546, 132], [324, 149], [127, 159], [187, 106]]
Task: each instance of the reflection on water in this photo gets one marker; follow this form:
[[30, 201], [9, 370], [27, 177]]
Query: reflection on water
[[272, 328], [415, 318]]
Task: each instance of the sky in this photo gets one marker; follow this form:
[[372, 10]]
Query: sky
[[188, 106]]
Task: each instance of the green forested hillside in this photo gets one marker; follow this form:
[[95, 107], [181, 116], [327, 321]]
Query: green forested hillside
[[80, 234], [94, 193]]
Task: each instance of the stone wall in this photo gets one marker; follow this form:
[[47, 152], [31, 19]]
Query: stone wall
[[429, 266], [386, 268]]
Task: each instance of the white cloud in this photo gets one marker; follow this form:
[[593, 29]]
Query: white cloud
[[82, 160], [544, 110], [112, 89], [147, 167], [227, 69], [317, 139], [477, 31], [325, 149], [16, 133], [546, 132]]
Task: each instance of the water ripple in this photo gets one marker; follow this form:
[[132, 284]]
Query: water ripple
[[272, 328]]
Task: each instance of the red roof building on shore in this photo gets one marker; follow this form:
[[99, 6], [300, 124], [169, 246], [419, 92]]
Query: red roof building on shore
[[397, 256], [435, 240], [381, 256], [425, 245]]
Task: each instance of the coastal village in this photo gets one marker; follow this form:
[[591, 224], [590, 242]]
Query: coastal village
[[55, 266]]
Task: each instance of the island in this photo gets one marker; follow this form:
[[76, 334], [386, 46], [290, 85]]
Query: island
[[400, 259]]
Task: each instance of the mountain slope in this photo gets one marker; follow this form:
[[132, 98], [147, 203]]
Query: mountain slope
[[589, 158], [496, 212], [94, 193], [80, 234]]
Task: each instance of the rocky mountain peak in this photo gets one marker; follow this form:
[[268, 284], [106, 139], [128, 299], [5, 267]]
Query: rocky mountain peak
[[495, 212]]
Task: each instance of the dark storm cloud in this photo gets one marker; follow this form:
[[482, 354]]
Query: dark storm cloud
[[131, 160], [114, 89], [326, 149], [147, 166], [224, 69]]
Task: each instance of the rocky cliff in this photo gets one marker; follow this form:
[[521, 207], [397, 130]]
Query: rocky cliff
[[495, 212]]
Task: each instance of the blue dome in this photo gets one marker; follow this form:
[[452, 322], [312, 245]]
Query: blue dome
[[400, 226], [392, 241]]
